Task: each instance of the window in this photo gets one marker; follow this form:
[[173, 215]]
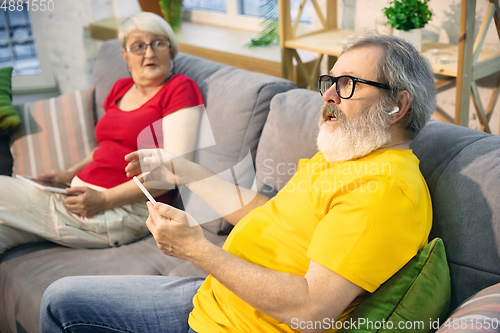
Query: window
[[215, 5], [19, 49], [243, 14], [253, 7]]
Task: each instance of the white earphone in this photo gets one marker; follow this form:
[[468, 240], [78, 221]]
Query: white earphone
[[396, 109]]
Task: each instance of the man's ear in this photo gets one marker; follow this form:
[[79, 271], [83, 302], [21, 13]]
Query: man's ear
[[404, 102]]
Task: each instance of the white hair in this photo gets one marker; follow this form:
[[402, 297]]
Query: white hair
[[151, 23]]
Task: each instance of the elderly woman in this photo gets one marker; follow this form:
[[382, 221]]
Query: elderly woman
[[105, 207]]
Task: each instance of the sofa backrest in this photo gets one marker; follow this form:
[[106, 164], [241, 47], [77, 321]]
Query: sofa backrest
[[461, 167], [237, 104], [289, 135], [462, 170]]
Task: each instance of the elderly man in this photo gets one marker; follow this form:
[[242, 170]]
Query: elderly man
[[310, 254]]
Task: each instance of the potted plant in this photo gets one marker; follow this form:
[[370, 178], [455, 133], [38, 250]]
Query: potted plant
[[408, 17]]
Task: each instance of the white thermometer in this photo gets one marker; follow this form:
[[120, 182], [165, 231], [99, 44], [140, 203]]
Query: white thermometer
[[143, 189]]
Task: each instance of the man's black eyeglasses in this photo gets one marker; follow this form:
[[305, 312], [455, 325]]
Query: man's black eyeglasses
[[345, 84]]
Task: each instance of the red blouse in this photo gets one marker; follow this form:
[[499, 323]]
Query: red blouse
[[117, 131]]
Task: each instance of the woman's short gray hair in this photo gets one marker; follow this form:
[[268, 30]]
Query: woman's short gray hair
[[402, 67], [151, 23]]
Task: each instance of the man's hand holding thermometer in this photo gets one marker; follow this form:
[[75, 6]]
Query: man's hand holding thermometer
[[175, 232], [143, 189], [161, 167], [146, 192]]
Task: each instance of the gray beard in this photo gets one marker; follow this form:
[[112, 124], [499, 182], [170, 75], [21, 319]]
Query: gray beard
[[356, 138]]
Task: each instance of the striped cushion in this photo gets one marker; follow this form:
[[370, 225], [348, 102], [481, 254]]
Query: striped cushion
[[55, 133], [480, 313]]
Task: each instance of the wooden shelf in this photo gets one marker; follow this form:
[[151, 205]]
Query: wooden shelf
[[325, 41], [490, 59], [330, 42]]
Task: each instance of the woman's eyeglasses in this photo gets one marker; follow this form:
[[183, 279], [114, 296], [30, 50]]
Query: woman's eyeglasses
[[156, 45], [345, 84]]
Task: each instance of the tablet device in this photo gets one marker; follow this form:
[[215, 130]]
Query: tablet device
[[46, 185]]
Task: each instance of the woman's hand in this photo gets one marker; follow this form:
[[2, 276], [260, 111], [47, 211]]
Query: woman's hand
[[147, 160], [58, 176], [87, 203], [133, 168], [164, 167], [176, 233]]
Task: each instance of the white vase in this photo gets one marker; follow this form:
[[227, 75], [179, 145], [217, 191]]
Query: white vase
[[413, 36]]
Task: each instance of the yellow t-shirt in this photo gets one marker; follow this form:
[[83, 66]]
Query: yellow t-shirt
[[363, 219]]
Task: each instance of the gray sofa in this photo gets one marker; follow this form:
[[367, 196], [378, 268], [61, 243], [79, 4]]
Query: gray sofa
[[278, 123]]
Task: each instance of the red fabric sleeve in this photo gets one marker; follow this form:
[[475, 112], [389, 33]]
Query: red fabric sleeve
[[184, 93]]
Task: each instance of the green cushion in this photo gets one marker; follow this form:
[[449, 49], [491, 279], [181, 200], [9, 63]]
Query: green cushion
[[417, 295], [9, 119]]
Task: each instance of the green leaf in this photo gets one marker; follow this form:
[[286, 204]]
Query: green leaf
[[270, 28], [172, 12]]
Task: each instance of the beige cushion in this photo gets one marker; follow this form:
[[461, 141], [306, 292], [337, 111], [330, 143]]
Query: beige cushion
[[55, 133]]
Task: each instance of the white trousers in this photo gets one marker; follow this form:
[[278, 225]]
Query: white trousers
[[28, 214]]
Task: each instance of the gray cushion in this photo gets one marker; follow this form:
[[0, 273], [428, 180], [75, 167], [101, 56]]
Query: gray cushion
[[196, 68], [438, 143], [462, 169], [109, 67], [289, 135]]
